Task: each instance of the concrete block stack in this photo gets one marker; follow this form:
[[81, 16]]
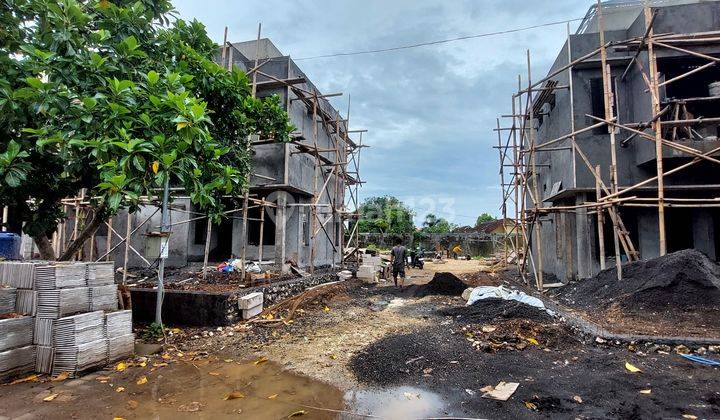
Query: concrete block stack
[[251, 304], [71, 331], [369, 268]]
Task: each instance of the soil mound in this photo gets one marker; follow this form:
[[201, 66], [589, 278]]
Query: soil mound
[[493, 309], [682, 280], [442, 284]]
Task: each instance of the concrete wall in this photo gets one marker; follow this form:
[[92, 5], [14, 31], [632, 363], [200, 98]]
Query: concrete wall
[[569, 241]]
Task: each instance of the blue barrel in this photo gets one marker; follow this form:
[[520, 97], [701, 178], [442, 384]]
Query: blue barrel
[[9, 246]]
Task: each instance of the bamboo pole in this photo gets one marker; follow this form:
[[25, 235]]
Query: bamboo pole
[[108, 240], [128, 223], [316, 197], [600, 221], [502, 183], [538, 203], [658, 133]]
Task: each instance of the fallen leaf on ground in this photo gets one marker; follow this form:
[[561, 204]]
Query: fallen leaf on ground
[[31, 378], [326, 309], [297, 413], [646, 391], [61, 377], [532, 341], [214, 373], [234, 396], [132, 404], [530, 406], [119, 389], [487, 329], [272, 397], [118, 418], [102, 378], [142, 381], [632, 368], [689, 416], [159, 364], [166, 356], [578, 399], [260, 361], [120, 367], [332, 356], [50, 397], [228, 360], [143, 364], [427, 370]]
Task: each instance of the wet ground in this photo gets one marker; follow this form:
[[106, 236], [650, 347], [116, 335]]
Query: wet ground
[[372, 350]]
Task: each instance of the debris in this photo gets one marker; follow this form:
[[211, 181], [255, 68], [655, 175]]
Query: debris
[[530, 406], [500, 292], [646, 391], [470, 392], [632, 368], [488, 328], [233, 395], [119, 389], [61, 377], [50, 397], [682, 349], [442, 284], [190, 408], [689, 416], [502, 391], [272, 397], [260, 361], [297, 414], [492, 309], [701, 360], [31, 378], [578, 399]]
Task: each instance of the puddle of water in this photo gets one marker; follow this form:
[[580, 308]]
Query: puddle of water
[[265, 391], [403, 402]]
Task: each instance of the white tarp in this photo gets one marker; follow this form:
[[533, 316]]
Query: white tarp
[[487, 292]]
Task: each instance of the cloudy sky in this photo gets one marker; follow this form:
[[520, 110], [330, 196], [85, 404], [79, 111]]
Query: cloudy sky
[[429, 110]]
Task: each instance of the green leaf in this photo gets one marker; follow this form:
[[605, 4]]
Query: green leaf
[[152, 77]]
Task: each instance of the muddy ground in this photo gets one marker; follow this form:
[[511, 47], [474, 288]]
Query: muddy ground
[[367, 349]]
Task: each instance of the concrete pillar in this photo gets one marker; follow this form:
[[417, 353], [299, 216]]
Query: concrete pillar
[[280, 235], [585, 233], [703, 232], [648, 235]]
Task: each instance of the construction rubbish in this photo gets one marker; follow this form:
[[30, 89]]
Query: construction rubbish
[[500, 292], [344, 275], [70, 331], [236, 265], [501, 392], [372, 268], [284, 311]]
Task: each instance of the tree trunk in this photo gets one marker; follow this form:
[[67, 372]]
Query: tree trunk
[[45, 247], [86, 233]]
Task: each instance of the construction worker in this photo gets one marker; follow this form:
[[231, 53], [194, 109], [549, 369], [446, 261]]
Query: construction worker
[[398, 256], [457, 251]]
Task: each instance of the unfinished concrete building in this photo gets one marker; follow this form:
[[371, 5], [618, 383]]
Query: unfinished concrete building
[[612, 156], [302, 193]]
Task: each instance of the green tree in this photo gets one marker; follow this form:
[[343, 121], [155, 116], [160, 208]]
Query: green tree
[[483, 218], [434, 224], [111, 97], [385, 215]]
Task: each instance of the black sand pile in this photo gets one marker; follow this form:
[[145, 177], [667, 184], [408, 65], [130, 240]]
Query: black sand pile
[[682, 280], [495, 309], [446, 284]]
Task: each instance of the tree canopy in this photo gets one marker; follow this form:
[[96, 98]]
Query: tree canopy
[[387, 215], [484, 218], [114, 97], [434, 224]]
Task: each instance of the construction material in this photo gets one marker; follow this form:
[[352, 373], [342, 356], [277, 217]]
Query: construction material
[[442, 284], [100, 273], [120, 347], [26, 302], [701, 360], [104, 298], [62, 302], [76, 359], [118, 324], [8, 296], [16, 274], [250, 300], [44, 329], [501, 392], [493, 309], [16, 332], [17, 361], [45, 357], [78, 329], [60, 276]]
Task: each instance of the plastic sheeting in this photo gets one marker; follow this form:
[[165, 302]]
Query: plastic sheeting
[[487, 292]]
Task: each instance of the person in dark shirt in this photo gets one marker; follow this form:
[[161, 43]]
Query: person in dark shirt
[[398, 257]]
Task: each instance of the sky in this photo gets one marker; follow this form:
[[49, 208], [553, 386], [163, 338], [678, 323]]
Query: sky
[[430, 110]]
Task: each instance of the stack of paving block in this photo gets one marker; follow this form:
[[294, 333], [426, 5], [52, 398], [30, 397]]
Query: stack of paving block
[[62, 290], [8, 296], [21, 276], [118, 330], [17, 352], [78, 343], [251, 304], [100, 279]]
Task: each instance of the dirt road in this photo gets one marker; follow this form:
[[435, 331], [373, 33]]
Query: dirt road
[[374, 350]]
